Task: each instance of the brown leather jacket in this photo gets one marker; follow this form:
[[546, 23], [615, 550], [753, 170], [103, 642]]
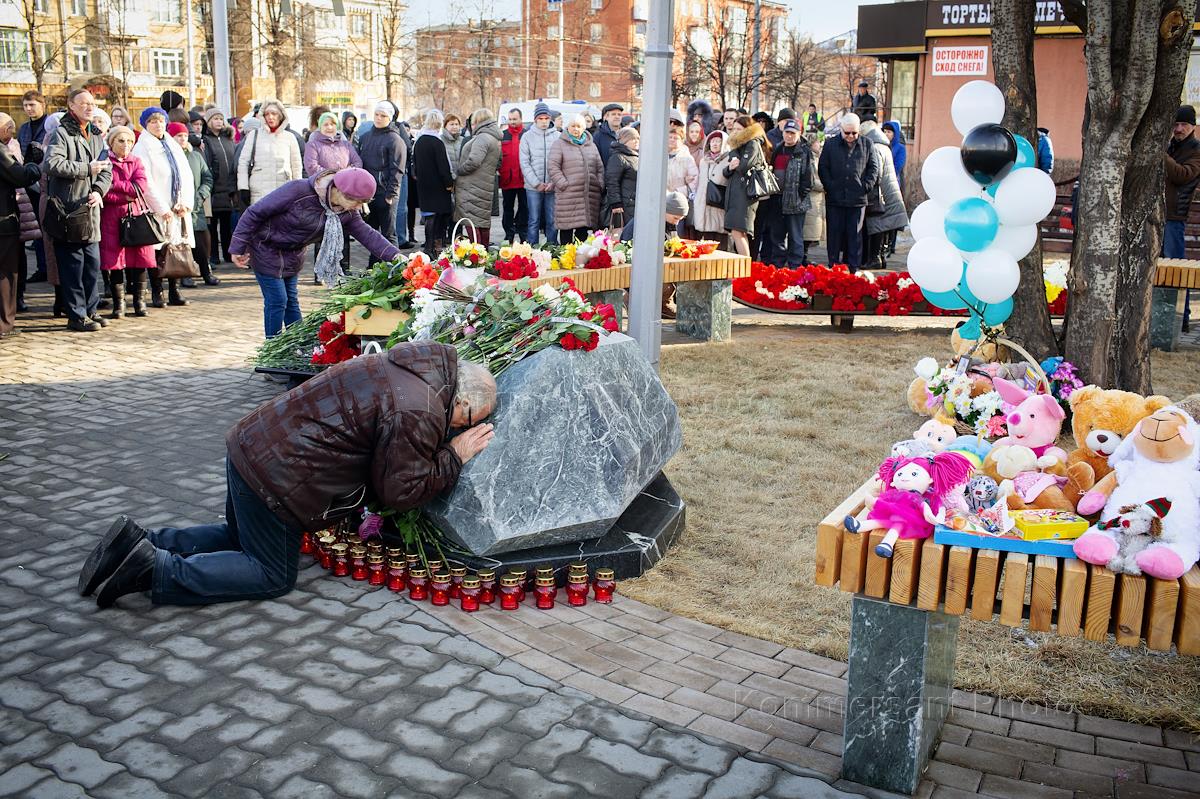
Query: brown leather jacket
[[371, 428]]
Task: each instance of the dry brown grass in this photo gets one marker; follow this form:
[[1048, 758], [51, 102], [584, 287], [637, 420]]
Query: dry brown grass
[[783, 423]]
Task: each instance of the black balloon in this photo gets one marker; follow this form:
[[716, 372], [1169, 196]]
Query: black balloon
[[989, 152]]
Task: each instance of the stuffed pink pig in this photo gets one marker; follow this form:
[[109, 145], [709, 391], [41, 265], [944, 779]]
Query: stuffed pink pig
[[1035, 422]]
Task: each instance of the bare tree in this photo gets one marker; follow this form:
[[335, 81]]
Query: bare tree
[[1136, 57], [1012, 60], [799, 66], [39, 30]]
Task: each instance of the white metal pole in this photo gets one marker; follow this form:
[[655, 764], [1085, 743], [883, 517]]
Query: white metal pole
[[756, 57], [645, 322], [220, 23], [561, 32], [191, 58]]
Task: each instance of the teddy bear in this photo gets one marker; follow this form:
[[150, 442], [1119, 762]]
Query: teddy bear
[[1160, 458], [1100, 420], [1022, 483], [1137, 527]]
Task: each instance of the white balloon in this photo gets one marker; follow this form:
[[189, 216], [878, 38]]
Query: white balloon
[[935, 264], [928, 219], [993, 275], [1016, 240], [1025, 197], [944, 179], [976, 103]]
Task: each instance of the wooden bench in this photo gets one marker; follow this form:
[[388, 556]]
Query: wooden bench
[[905, 616]]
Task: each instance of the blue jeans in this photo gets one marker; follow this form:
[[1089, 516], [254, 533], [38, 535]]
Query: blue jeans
[[402, 213], [253, 554], [281, 302], [79, 277], [541, 216], [786, 240]]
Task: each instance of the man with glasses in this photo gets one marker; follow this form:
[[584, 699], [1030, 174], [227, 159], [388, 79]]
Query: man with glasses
[[849, 171]]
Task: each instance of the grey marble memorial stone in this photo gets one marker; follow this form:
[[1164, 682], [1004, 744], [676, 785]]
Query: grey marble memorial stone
[[579, 435], [1165, 324], [898, 693], [703, 309]]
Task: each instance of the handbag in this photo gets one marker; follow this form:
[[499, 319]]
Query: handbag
[[761, 183], [72, 227], [141, 229], [714, 195], [178, 262]]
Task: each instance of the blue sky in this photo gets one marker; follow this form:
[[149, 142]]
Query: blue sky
[[819, 18]]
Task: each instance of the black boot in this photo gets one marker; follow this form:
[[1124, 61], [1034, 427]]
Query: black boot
[[113, 548], [173, 295], [117, 285], [135, 574], [206, 272], [156, 291]]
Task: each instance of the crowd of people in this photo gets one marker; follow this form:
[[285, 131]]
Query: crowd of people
[[124, 212]]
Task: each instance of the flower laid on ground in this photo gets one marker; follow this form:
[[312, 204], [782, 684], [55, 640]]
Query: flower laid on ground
[[334, 345]]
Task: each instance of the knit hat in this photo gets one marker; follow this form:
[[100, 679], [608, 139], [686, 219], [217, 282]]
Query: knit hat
[[1186, 113], [149, 112], [611, 107], [355, 183], [171, 99], [677, 204], [541, 109], [213, 112], [175, 128]]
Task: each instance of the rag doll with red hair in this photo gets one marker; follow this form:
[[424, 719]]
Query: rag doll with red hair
[[916, 493]]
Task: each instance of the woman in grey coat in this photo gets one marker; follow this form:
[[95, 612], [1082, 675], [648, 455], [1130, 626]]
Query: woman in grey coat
[[885, 206], [476, 180]]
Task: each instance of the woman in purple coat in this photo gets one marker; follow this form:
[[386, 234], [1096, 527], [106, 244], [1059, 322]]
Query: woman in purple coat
[[272, 233]]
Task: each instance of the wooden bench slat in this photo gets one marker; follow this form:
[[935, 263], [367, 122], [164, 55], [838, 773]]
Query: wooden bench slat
[[906, 570], [958, 579], [933, 570], [1101, 584], [1070, 598], [1131, 603], [1016, 578], [878, 569], [1045, 587], [854, 561], [1187, 628], [1160, 614], [983, 591]]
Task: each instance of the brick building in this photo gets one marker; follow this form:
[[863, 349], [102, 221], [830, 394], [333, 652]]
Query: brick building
[[459, 68]]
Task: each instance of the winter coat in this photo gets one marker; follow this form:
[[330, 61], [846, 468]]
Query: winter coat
[[620, 180], [474, 188], [891, 214], [386, 158], [1183, 173], [747, 147], [431, 172], [127, 173], [14, 176], [709, 218], [682, 173], [704, 110], [275, 231], [276, 158], [202, 182], [578, 177], [510, 158], [795, 180], [605, 138], [849, 173], [814, 220], [69, 178], [454, 145], [373, 429], [535, 155], [328, 152], [219, 155], [158, 178]]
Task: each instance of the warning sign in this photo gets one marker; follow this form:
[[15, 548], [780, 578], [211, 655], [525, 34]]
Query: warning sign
[[958, 61]]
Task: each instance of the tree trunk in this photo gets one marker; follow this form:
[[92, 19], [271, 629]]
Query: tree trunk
[[1012, 60], [1136, 57]]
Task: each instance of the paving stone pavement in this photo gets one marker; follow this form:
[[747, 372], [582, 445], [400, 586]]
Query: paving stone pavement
[[342, 690]]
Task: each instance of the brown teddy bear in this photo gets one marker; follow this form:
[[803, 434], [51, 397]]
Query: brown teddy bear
[[1100, 421]]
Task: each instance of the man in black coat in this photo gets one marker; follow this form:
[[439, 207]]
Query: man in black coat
[[13, 176], [849, 174]]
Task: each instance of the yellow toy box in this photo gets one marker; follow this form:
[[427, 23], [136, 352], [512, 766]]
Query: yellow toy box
[[1049, 524]]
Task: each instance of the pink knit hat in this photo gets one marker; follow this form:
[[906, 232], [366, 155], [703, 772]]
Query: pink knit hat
[[355, 183]]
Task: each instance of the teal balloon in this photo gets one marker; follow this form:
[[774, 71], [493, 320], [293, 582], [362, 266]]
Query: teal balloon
[[971, 224], [997, 313], [1026, 155], [970, 329]]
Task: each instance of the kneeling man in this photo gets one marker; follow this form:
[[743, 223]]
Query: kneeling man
[[374, 428]]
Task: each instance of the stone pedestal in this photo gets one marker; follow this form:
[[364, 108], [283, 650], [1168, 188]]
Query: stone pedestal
[[1164, 319], [615, 298], [900, 678], [703, 309]]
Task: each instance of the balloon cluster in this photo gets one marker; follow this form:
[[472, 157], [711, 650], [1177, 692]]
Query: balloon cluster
[[985, 201]]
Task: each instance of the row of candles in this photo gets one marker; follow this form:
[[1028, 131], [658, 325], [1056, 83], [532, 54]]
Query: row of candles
[[442, 583]]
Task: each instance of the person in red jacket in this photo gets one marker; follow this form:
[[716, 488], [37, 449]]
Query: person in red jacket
[[512, 183]]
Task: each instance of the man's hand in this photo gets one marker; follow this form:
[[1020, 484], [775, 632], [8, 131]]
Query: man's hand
[[241, 261], [94, 199], [474, 441]]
